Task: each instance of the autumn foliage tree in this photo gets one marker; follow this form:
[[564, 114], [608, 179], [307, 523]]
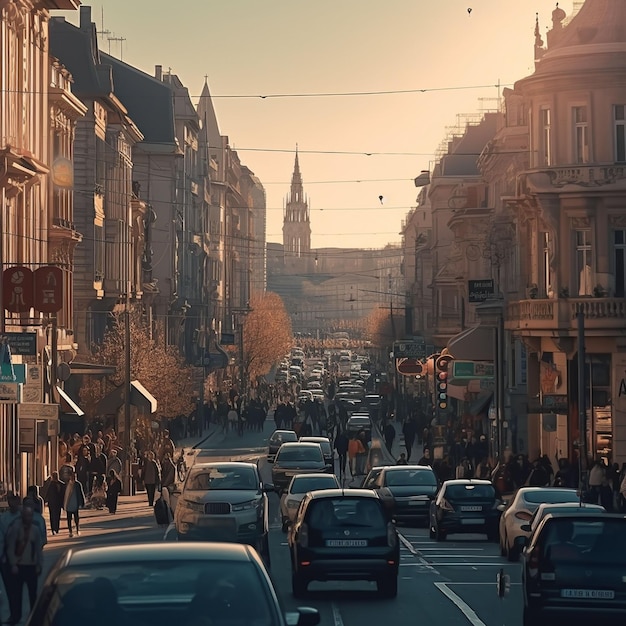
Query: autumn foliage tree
[[267, 334], [381, 329], [159, 368]]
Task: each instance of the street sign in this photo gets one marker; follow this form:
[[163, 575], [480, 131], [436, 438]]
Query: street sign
[[21, 343], [9, 393], [48, 289], [409, 350], [471, 370], [17, 289], [37, 411], [480, 290], [19, 374], [32, 391]]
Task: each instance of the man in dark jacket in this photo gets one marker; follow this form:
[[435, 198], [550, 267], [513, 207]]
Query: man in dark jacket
[[55, 492], [408, 430], [389, 433], [341, 445]]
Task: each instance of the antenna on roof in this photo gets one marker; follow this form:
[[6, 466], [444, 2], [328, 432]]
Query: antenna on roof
[[121, 41], [103, 31]]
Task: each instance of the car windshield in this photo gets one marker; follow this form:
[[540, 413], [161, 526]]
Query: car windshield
[[313, 453], [345, 512], [155, 592], [221, 478], [304, 484], [462, 492], [550, 495], [398, 478], [586, 540], [282, 437], [325, 445]]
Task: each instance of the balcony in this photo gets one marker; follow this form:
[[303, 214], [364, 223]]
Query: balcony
[[587, 175], [560, 315]]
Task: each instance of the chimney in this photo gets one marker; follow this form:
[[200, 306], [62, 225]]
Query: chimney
[[85, 19], [158, 72]]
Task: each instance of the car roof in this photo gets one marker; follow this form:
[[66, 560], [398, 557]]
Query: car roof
[[585, 517], [403, 468], [348, 493], [304, 444], [569, 505], [165, 551], [314, 439], [315, 475], [228, 464], [283, 431], [467, 481]]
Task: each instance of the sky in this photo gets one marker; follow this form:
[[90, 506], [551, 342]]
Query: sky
[[329, 70]]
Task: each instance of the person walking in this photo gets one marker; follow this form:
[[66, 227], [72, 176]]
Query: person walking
[[168, 473], [54, 499], [7, 519], [24, 551], [151, 476], [389, 433], [114, 488], [409, 430], [73, 501], [113, 463], [341, 445]]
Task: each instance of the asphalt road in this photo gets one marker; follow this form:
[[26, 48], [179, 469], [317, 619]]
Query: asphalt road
[[441, 584]]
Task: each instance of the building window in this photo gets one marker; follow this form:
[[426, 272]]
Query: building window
[[545, 120], [581, 135], [619, 262], [98, 253], [547, 269], [584, 262], [619, 120]]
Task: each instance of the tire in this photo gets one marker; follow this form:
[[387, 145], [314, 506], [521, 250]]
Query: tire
[[387, 587], [298, 586], [532, 617]]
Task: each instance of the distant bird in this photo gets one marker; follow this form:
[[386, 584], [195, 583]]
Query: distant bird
[[469, 11], [381, 199]]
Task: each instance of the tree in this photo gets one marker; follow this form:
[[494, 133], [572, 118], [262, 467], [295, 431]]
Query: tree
[[267, 335], [381, 329], [160, 368]]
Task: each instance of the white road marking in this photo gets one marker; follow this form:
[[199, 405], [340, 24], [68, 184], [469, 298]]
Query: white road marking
[[453, 549], [450, 584], [456, 556], [409, 546], [337, 620], [466, 564], [467, 610]]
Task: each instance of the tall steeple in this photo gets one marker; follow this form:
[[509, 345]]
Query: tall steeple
[[296, 223]]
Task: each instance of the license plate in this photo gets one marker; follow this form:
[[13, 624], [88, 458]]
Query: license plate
[[470, 521], [470, 509], [588, 594], [346, 543]]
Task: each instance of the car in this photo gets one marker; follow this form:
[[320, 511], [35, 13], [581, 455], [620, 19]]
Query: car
[[277, 438], [297, 458], [300, 485], [410, 488], [465, 505], [547, 508], [224, 501], [161, 584], [573, 567], [344, 535], [520, 509], [327, 449]]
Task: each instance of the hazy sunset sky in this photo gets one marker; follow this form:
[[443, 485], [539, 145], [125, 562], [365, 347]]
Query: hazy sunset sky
[[446, 60]]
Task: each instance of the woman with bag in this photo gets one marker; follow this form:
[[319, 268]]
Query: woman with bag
[[73, 501]]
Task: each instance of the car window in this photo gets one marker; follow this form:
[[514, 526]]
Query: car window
[[470, 491], [220, 478], [399, 478], [305, 484], [345, 512], [550, 495], [371, 479], [313, 453], [133, 592]]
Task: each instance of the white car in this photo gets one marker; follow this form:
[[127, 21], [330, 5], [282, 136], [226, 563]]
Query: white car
[[520, 509], [546, 508], [299, 486]]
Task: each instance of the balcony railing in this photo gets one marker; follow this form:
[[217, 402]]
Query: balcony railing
[[561, 314], [595, 174]]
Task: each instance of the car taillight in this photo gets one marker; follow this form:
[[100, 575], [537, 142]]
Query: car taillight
[[303, 535], [523, 515], [392, 537], [446, 506]]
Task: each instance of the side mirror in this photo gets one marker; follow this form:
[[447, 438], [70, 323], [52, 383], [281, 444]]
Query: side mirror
[[501, 508], [525, 528], [304, 616], [268, 487]]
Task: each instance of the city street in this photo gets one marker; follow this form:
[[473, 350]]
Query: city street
[[440, 583]]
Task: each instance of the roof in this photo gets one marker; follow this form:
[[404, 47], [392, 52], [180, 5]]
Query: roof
[[306, 444], [208, 464], [341, 493], [128, 553], [404, 468], [468, 481]]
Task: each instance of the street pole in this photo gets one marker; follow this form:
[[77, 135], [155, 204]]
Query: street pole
[[499, 372], [241, 356], [582, 415], [127, 392]]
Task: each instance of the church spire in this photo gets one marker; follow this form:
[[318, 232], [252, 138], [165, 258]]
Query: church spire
[[297, 189], [539, 49]]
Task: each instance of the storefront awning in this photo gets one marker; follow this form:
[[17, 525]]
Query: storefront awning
[[480, 405], [139, 397], [473, 344], [68, 406]]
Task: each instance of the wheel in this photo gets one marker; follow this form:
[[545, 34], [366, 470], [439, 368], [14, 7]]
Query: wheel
[[532, 617], [387, 587], [440, 535], [298, 585]]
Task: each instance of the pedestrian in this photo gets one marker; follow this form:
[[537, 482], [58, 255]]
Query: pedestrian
[[33, 493], [409, 430], [168, 473], [73, 501], [114, 463], [7, 519], [83, 469], [389, 434], [151, 476], [54, 499], [114, 488], [425, 460], [167, 447], [402, 459], [24, 551], [341, 445]]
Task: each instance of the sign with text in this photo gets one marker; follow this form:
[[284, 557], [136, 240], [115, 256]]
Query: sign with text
[[9, 393], [24, 344], [409, 350], [37, 411], [471, 370], [480, 290], [17, 289], [48, 289], [32, 391], [18, 376]]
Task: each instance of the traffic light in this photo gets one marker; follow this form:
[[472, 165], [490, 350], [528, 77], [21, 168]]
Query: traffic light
[[442, 363]]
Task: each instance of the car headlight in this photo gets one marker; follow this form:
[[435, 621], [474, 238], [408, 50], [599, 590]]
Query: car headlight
[[193, 506], [292, 504], [245, 506]]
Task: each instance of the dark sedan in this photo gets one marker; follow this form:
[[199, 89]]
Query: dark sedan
[[297, 458], [574, 568], [409, 488], [465, 505], [162, 584], [277, 438]]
